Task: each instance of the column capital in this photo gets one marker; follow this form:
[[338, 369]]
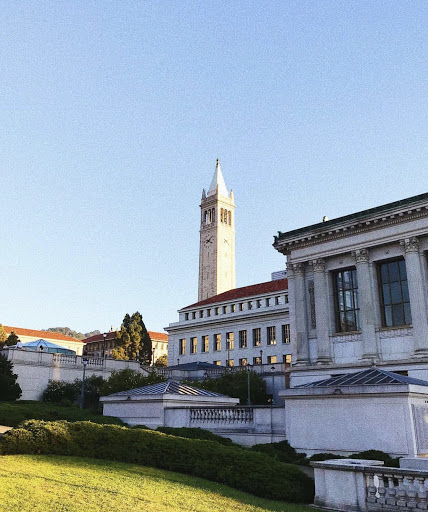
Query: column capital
[[319, 265], [298, 269], [410, 244], [361, 256]]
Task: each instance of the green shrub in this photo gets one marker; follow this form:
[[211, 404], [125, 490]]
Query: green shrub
[[10, 390], [282, 451], [60, 391], [242, 469], [195, 433], [14, 413], [389, 461], [236, 385], [127, 379]]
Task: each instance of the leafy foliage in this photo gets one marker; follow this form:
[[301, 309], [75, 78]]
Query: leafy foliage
[[281, 451], [133, 341], [242, 469], [127, 379], [68, 393], [9, 388], [14, 413], [236, 385], [12, 339], [161, 361], [3, 336], [73, 334], [196, 433], [389, 461]]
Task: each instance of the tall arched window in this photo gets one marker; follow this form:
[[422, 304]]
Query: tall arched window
[[205, 216], [213, 214], [221, 215], [230, 218]]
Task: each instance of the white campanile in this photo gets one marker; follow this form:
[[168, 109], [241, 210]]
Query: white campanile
[[217, 239]]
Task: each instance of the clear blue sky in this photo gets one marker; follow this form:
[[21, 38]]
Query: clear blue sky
[[113, 113]]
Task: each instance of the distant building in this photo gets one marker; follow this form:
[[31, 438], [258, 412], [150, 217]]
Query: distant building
[[56, 337], [97, 346]]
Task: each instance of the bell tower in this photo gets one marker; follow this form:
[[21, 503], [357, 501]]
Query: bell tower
[[217, 239]]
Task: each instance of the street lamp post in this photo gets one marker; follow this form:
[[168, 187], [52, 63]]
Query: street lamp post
[[261, 356], [82, 390], [228, 352], [153, 356], [273, 382], [248, 385], [104, 344]]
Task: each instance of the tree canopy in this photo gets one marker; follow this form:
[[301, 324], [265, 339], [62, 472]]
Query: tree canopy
[[10, 390], [3, 336], [133, 341], [12, 339]]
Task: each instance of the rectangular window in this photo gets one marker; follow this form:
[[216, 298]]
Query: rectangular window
[[224, 310], [259, 303], [285, 333], [272, 359], [230, 362], [345, 285], [230, 340], [267, 303], [276, 301], [186, 316], [243, 361], [201, 313], [242, 339], [250, 305], [257, 360], [208, 312], [182, 347], [193, 315], [257, 337], [217, 342], [205, 343], [241, 306], [218, 363], [286, 358], [286, 299], [394, 294], [193, 345], [216, 311], [271, 335], [233, 308]]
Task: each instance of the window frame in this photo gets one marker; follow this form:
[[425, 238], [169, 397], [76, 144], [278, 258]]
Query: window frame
[[404, 290], [342, 313]]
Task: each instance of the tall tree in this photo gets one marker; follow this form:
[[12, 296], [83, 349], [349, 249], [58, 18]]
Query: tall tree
[[9, 389], [3, 336], [133, 341], [12, 339]]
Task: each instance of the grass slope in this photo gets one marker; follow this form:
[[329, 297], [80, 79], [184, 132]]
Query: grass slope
[[71, 484], [14, 413]]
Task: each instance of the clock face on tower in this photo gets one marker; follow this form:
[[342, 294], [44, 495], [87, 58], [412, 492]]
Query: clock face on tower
[[208, 241]]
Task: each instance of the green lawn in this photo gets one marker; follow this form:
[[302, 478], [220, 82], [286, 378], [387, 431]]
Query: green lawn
[[70, 484]]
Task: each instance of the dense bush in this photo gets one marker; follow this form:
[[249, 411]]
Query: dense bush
[[14, 413], [196, 433], [281, 451], [236, 385], [61, 392], [389, 461], [127, 379], [9, 388], [244, 470]]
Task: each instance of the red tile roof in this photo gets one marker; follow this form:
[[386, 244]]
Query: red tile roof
[[154, 336], [19, 331], [276, 286]]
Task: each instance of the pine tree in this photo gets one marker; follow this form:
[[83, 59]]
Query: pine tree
[[3, 336], [12, 339], [9, 389], [133, 341]]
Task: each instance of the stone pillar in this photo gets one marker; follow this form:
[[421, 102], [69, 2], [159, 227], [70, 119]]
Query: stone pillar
[[296, 273], [418, 304], [321, 312], [367, 306]]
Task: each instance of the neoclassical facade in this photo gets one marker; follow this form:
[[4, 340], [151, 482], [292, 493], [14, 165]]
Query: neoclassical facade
[[358, 291]]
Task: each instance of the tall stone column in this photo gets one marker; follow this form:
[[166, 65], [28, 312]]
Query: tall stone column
[[367, 306], [418, 304], [321, 312], [297, 293]]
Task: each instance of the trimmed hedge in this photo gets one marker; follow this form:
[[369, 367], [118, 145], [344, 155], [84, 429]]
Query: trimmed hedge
[[250, 472], [283, 452], [390, 462], [196, 433]]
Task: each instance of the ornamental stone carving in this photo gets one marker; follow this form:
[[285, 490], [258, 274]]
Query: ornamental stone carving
[[298, 269], [410, 244], [319, 265], [361, 256]]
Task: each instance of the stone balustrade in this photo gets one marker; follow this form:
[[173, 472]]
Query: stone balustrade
[[235, 415], [367, 486]]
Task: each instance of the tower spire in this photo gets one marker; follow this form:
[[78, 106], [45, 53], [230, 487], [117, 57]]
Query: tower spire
[[218, 180]]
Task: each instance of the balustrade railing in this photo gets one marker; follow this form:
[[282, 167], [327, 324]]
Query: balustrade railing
[[64, 359], [243, 415], [393, 489]]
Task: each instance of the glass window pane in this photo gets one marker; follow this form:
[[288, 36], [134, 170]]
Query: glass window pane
[[398, 314], [393, 269], [350, 321], [340, 302], [388, 316], [405, 291], [348, 300], [396, 293], [386, 294], [403, 272], [407, 314], [356, 304], [342, 322], [339, 281], [347, 282], [384, 273]]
